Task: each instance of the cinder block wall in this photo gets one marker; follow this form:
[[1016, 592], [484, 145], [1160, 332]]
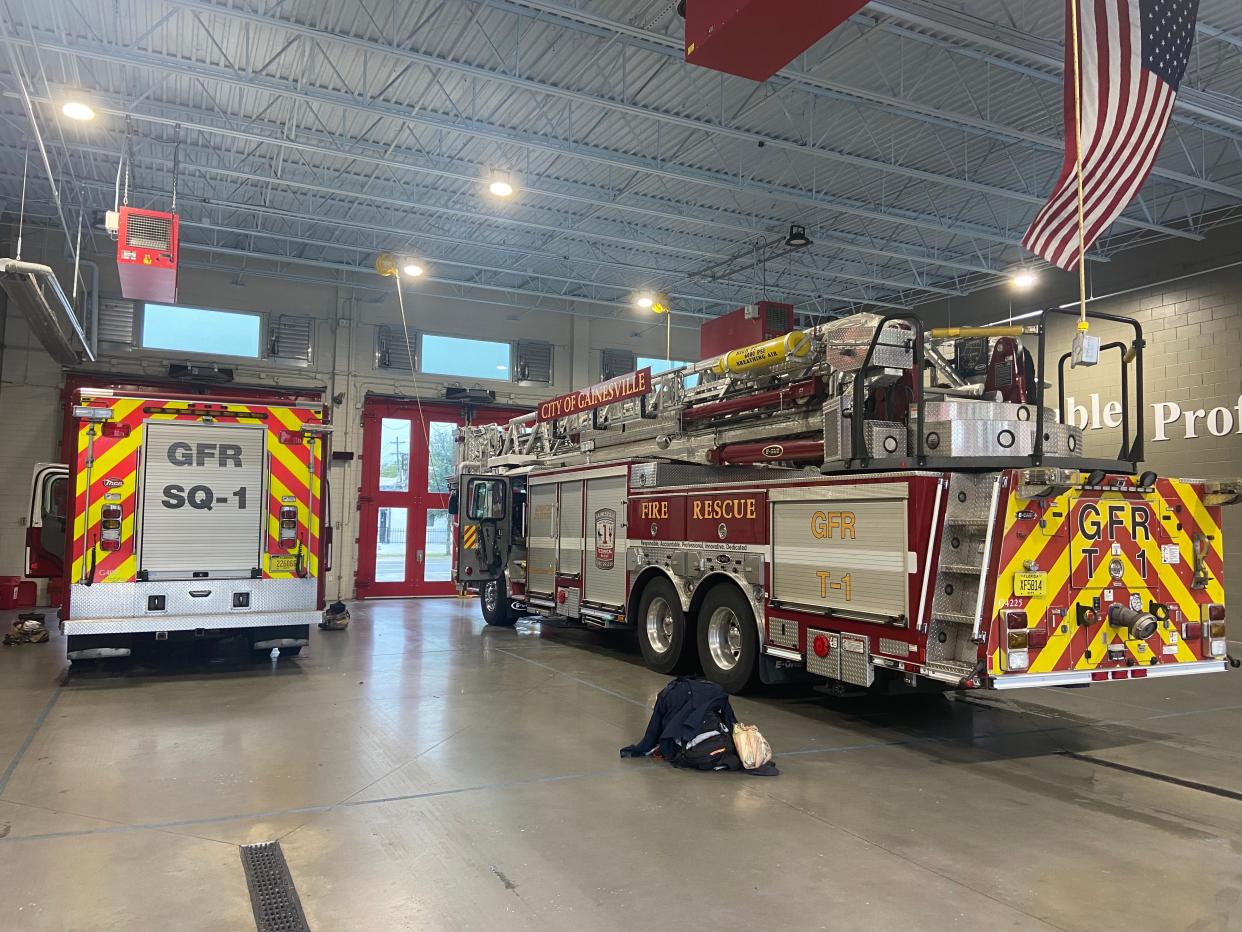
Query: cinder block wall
[[1192, 322]]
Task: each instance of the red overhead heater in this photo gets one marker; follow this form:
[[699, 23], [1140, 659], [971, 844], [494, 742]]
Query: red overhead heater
[[757, 38], [751, 324], [146, 255]]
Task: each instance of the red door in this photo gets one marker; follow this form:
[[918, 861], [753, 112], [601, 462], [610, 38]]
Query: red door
[[404, 528]]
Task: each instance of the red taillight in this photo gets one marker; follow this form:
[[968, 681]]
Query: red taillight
[[1120, 674], [1015, 620], [1216, 612], [820, 645], [288, 524], [1192, 630], [1098, 675], [110, 527], [1137, 674], [109, 545]]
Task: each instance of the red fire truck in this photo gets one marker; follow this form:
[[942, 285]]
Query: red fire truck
[[183, 514], [866, 501]]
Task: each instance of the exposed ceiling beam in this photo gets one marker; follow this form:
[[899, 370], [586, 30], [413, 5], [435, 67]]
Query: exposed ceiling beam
[[672, 47], [716, 129]]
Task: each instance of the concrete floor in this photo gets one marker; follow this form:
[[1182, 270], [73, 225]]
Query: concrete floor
[[424, 773]]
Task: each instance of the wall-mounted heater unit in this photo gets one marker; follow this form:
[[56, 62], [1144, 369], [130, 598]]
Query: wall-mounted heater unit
[[146, 255]]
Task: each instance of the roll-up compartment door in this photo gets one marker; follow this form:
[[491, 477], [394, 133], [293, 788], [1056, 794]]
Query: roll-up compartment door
[[204, 499], [569, 532]]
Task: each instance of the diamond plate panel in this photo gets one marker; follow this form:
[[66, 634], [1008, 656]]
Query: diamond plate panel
[[894, 648], [783, 633], [214, 597], [829, 666], [149, 623], [856, 665], [570, 606]]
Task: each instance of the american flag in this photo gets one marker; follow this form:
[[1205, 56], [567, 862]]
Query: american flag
[[1133, 54]]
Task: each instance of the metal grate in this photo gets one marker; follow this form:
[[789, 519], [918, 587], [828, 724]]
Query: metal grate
[[391, 351], [291, 337], [149, 232], [273, 897], [615, 362], [116, 321], [534, 361]]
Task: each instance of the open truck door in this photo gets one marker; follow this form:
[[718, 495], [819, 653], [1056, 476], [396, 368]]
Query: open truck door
[[484, 529], [46, 529]]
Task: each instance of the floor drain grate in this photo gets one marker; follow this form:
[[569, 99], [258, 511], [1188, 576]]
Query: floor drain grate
[[273, 897]]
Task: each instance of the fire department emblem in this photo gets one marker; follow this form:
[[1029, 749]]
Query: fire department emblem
[[605, 538]]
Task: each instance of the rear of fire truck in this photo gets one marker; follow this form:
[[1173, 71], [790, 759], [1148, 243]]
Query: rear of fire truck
[[194, 520], [1003, 553]]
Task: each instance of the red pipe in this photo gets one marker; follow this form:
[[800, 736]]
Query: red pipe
[[791, 451], [766, 399]]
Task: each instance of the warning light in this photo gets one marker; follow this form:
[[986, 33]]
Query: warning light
[[820, 646]]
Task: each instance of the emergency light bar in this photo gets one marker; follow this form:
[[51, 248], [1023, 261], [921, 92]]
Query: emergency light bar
[[87, 413]]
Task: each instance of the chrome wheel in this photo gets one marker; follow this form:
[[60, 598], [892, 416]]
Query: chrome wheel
[[724, 638], [660, 625], [491, 596]]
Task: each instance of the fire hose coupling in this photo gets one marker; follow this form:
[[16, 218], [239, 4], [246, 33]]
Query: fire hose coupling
[[1141, 625]]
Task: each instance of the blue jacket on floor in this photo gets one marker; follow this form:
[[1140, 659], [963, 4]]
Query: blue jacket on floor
[[678, 715]]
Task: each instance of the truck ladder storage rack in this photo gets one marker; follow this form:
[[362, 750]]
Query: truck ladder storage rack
[[868, 501]]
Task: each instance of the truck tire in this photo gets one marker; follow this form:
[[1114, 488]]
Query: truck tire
[[495, 603], [664, 635], [728, 639]]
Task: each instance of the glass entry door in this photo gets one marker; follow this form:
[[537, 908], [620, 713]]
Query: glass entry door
[[404, 524]]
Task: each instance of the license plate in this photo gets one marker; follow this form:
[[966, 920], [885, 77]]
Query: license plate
[[282, 564], [1032, 585]]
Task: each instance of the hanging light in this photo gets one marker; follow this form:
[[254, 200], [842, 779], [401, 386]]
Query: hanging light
[[78, 110], [797, 238], [501, 185], [1024, 279], [644, 300], [411, 269]]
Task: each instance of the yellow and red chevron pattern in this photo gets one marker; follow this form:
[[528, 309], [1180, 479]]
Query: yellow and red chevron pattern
[[1099, 547], [470, 537], [108, 459]]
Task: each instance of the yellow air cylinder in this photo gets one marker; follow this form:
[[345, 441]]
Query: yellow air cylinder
[[794, 345]]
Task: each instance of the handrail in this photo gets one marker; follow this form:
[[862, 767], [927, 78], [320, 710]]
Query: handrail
[[1124, 452], [857, 450], [1136, 346]]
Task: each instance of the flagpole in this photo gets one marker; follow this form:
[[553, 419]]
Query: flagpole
[[1082, 225]]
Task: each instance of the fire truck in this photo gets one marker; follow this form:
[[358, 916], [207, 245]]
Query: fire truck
[[867, 501], [183, 515]]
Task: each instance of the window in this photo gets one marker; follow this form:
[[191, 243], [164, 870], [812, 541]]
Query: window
[[664, 365], [199, 330], [659, 365], [487, 500], [472, 359]]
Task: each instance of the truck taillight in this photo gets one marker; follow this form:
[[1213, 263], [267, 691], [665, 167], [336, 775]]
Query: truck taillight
[[1214, 629], [1015, 620], [1214, 612], [110, 527], [288, 524], [1017, 660]]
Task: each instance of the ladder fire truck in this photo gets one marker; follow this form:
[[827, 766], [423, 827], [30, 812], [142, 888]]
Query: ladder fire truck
[[193, 515], [869, 501]]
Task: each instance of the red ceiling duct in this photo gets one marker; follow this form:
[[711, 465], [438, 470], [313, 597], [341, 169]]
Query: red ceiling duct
[[757, 38], [146, 255]]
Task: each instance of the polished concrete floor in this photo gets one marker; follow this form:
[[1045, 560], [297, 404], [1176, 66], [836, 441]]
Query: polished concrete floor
[[424, 773]]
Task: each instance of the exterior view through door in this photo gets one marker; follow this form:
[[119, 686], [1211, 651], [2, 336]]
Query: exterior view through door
[[405, 530]]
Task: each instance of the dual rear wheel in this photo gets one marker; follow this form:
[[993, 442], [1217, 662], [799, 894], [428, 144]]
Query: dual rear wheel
[[721, 636]]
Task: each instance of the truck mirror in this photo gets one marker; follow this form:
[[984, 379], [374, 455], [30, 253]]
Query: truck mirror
[[452, 504]]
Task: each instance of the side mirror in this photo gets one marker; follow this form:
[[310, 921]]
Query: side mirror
[[452, 504]]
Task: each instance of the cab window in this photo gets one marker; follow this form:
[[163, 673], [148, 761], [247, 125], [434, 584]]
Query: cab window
[[487, 500]]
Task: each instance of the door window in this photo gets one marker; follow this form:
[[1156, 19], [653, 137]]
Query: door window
[[394, 458], [436, 564], [390, 545], [487, 500]]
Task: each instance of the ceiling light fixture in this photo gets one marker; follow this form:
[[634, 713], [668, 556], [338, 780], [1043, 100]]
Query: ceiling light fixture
[[1024, 279], [797, 238], [645, 300], [501, 185], [412, 269], [77, 110]]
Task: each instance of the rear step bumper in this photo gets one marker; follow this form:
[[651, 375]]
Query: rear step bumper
[[147, 623], [1080, 677]]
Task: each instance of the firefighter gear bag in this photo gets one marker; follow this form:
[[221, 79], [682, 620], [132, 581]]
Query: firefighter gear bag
[[752, 748]]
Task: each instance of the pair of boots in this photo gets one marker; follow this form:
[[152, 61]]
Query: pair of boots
[[27, 629]]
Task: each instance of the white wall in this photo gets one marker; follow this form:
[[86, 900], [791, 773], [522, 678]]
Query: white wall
[[344, 363]]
